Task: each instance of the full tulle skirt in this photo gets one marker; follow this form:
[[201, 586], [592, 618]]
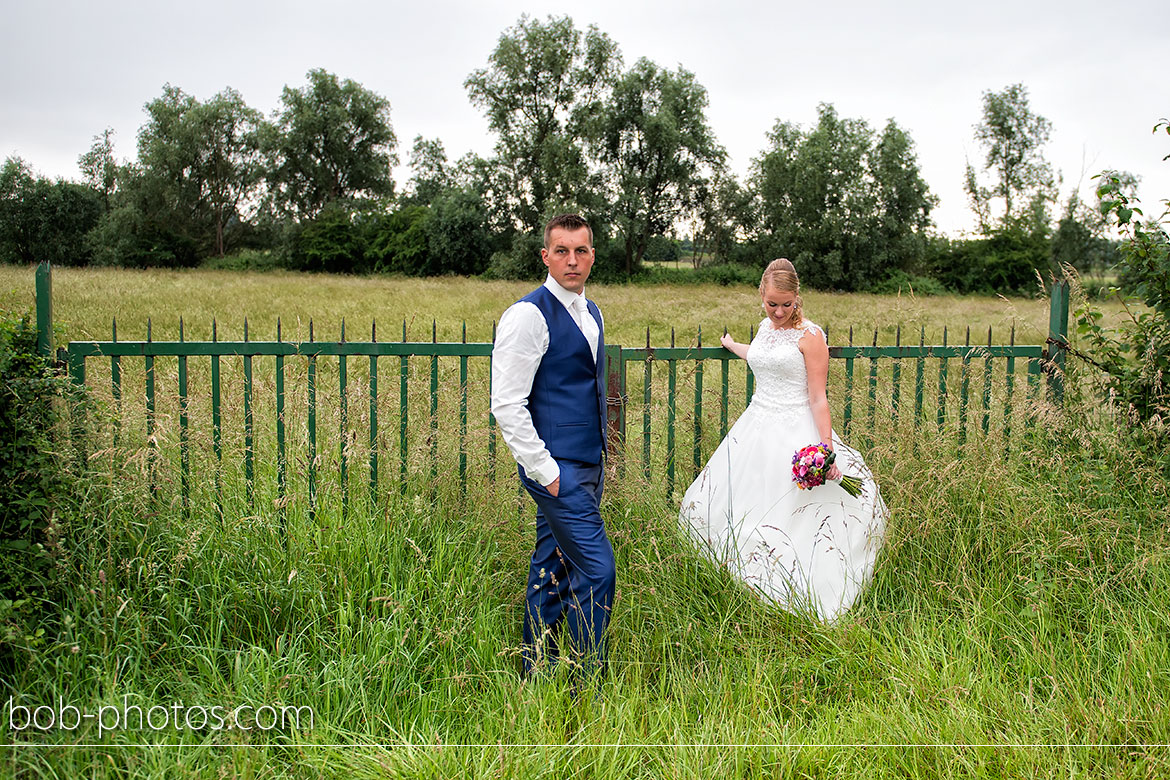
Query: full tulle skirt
[[811, 551]]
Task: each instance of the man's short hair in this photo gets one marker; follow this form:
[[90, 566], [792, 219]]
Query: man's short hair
[[569, 222]]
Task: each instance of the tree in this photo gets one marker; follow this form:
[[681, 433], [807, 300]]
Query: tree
[[903, 202], [482, 176], [431, 173], [657, 148], [99, 168], [234, 161], [542, 83], [457, 233], [1081, 239], [847, 209], [724, 210], [43, 220], [199, 165], [1013, 137], [332, 142]]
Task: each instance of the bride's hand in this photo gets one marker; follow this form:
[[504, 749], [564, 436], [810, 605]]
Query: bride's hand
[[727, 341], [834, 472]]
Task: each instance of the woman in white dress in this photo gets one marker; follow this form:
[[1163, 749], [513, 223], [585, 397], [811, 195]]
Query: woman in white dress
[[811, 551]]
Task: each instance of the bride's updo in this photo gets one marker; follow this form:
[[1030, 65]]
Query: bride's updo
[[781, 275]]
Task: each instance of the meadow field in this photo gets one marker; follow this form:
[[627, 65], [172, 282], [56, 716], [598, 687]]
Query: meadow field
[[86, 300], [1017, 624]]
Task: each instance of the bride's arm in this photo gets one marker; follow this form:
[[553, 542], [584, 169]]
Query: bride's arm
[[739, 350], [816, 364]]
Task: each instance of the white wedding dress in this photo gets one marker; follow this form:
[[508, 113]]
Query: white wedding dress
[[811, 551]]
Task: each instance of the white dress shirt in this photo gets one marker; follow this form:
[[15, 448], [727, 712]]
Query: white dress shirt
[[521, 343]]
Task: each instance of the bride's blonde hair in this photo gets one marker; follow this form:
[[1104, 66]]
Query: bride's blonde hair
[[781, 276]]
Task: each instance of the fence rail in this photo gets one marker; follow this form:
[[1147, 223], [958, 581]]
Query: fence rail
[[633, 371]]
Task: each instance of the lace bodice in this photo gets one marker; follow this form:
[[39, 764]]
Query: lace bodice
[[778, 365]]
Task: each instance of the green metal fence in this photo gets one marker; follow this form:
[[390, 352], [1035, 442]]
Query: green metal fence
[[921, 384]]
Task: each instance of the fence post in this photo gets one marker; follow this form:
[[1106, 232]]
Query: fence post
[[45, 310], [615, 398], [1057, 339]]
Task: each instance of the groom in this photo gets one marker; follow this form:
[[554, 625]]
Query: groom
[[548, 379]]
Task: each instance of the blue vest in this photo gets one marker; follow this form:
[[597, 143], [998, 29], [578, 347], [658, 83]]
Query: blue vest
[[567, 402]]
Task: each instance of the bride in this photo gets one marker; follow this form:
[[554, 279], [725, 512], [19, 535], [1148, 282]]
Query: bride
[[809, 550]]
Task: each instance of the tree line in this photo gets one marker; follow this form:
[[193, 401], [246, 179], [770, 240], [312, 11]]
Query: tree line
[[310, 187]]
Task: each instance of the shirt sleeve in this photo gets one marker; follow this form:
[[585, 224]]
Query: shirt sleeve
[[521, 343]]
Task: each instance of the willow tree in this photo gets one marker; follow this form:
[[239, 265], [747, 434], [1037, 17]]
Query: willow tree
[[657, 151], [544, 82]]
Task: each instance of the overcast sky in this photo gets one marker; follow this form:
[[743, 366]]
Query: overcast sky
[[1097, 71]]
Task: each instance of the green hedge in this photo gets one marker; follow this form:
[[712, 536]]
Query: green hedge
[[34, 482]]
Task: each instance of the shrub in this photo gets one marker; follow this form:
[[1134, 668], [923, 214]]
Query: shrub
[[244, 260], [728, 274], [522, 260], [901, 282], [1136, 357], [1006, 261], [458, 240], [34, 481], [397, 242], [330, 242]]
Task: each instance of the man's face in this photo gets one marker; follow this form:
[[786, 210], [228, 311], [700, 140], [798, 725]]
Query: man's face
[[569, 257]]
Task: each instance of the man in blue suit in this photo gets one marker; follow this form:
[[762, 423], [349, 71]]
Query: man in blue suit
[[548, 396]]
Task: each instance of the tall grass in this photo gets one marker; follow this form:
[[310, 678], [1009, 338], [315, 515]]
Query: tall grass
[[86, 300], [1016, 625]]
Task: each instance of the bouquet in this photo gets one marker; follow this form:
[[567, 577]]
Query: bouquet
[[809, 466]]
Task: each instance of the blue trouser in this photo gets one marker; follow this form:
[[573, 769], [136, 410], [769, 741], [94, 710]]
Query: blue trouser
[[571, 577]]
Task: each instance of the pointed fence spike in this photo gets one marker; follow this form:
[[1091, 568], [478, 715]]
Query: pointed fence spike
[[434, 332], [343, 330], [875, 337], [278, 328], [214, 330], [898, 336], [672, 337], [114, 328], [310, 330], [647, 337], [493, 331], [374, 330], [180, 328], [989, 335], [148, 329], [404, 328], [465, 331]]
